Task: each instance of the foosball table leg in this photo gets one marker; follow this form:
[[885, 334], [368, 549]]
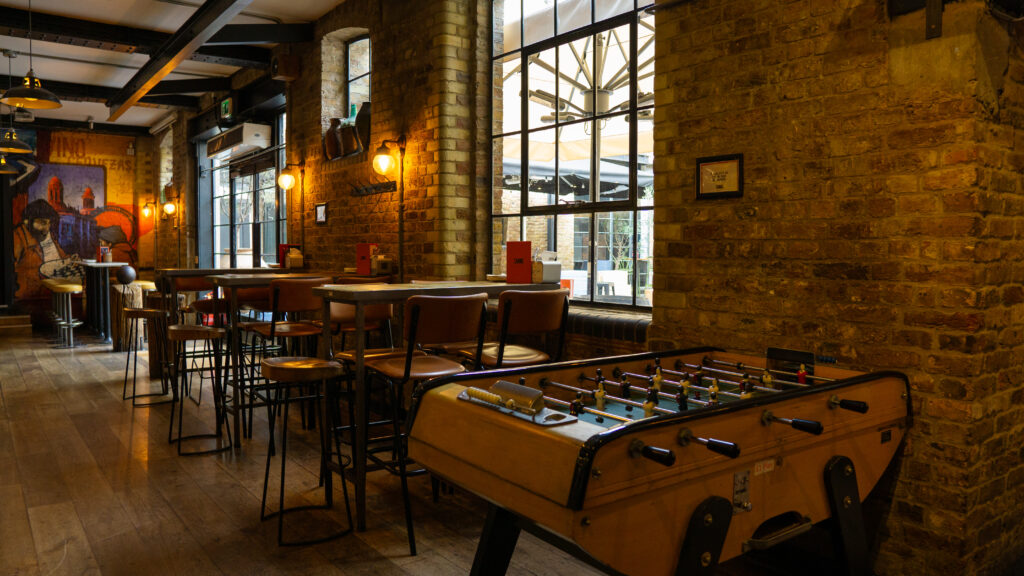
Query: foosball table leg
[[497, 543], [705, 537], [844, 500]]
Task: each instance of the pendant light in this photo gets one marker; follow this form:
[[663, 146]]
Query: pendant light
[[6, 167], [9, 143], [31, 93]]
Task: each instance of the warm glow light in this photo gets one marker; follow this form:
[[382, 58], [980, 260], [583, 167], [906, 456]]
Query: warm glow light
[[286, 181], [147, 210], [383, 161], [169, 208]]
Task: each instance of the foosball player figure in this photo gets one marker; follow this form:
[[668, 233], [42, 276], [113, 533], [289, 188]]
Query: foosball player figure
[[650, 403], [657, 379], [745, 387], [801, 374], [576, 406], [713, 392], [767, 380], [599, 395], [681, 400], [626, 389]]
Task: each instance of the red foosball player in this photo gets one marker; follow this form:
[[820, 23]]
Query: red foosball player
[[801, 374]]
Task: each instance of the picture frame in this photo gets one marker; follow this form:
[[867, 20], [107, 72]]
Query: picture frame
[[720, 177], [320, 213]]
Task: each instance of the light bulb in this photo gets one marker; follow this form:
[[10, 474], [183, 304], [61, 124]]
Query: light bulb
[[169, 208], [147, 211], [286, 181], [383, 161]]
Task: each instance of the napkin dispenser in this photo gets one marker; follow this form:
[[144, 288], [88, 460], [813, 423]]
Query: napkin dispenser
[[547, 272]]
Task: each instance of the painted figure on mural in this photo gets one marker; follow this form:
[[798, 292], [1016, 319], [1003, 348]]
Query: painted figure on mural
[[37, 252]]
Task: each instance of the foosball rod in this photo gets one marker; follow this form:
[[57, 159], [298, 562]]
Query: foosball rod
[[679, 384], [702, 367], [590, 393], [664, 395], [593, 411], [741, 366]]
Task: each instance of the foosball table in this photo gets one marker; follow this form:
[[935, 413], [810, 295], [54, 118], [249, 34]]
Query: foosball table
[[663, 463]]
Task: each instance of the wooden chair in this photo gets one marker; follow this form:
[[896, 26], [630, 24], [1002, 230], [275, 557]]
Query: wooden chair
[[434, 320], [524, 313]]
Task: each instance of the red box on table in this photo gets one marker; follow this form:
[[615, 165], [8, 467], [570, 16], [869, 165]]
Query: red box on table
[[364, 254], [518, 263]]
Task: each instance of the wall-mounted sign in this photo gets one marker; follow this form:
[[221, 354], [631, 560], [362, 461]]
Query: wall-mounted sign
[[720, 177], [227, 109]]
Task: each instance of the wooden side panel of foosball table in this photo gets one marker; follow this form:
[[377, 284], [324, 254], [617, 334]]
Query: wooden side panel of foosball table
[[637, 511], [523, 467]]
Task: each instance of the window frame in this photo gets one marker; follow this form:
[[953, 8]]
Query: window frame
[[349, 79], [594, 207]]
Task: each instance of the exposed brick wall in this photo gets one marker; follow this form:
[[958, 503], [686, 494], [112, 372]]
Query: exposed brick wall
[[421, 86], [879, 224]]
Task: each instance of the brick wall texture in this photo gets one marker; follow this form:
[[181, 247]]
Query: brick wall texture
[[880, 224]]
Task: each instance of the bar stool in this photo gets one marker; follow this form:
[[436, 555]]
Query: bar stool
[[286, 374], [66, 323], [179, 335], [158, 318]]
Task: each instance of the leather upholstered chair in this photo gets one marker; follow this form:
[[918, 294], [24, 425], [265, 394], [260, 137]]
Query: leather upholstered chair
[[525, 313]]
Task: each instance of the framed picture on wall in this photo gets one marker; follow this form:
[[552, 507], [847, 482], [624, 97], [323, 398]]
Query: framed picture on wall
[[720, 177], [321, 213]]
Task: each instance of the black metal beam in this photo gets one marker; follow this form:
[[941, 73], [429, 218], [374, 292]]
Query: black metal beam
[[90, 93], [262, 34], [204, 23], [75, 32], [898, 7], [73, 126], [191, 86]]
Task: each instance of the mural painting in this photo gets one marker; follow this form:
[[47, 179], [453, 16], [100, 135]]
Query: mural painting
[[80, 198]]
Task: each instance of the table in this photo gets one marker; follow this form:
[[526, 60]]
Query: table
[[97, 296], [361, 295], [230, 283]]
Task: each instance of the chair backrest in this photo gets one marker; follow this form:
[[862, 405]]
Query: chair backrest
[[291, 295], [444, 319], [192, 284], [522, 312]]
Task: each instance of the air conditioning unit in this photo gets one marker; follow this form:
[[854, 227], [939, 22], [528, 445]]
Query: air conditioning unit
[[238, 140]]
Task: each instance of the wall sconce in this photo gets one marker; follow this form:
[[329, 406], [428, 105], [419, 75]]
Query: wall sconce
[[147, 209], [170, 208], [286, 179], [384, 162]]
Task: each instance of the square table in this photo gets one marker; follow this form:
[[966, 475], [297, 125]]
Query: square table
[[361, 295]]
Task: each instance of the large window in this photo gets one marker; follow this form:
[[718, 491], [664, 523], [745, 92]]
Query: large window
[[249, 210], [357, 88], [572, 141]]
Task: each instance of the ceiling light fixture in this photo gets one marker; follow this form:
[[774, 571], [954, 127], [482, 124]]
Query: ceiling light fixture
[[5, 167], [31, 93], [9, 143]]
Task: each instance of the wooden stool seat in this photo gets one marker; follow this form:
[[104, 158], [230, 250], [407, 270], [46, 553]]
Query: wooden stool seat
[[287, 329], [68, 288], [143, 314], [514, 356], [423, 367], [145, 285], [300, 369], [179, 332], [349, 356]]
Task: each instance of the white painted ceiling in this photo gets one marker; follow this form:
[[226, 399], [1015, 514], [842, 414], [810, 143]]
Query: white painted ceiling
[[92, 66]]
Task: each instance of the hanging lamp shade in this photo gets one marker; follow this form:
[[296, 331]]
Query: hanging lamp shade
[[31, 94], [9, 144], [7, 167]]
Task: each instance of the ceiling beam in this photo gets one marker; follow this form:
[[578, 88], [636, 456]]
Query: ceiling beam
[[75, 126], [91, 93], [262, 34], [75, 32], [203, 24], [191, 86]]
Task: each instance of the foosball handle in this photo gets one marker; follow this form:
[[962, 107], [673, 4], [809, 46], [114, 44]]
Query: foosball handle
[[851, 405], [809, 426], [724, 448], [663, 456]]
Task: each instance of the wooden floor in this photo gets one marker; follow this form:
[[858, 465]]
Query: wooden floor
[[89, 485]]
